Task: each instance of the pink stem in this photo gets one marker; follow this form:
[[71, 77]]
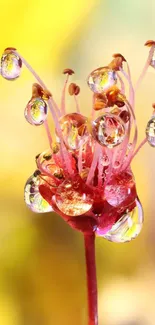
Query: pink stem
[[76, 103], [131, 89], [63, 110], [94, 163], [48, 133], [146, 66], [122, 84], [89, 240], [64, 152], [93, 111], [137, 150]]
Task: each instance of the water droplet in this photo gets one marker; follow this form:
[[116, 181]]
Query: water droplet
[[101, 79], [108, 130], [120, 189], [36, 111], [105, 160], [150, 132], [10, 66], [73, 199], [46, 163], [33, 198], [128, 227], [74, 130], [152, 63]]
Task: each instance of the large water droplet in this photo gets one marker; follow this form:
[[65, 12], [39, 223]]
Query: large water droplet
[[36, 111], [119, 189], [10, 66], [33, 198], [108, 130], [73, 199], [150, 132], [128, 227], [74, 130], [102, 79]]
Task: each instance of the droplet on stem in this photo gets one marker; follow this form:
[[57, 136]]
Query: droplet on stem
[[74, 130], [10, 65], [108, 130], [128, 227], [33, 198], [36, 111], [150, 131]]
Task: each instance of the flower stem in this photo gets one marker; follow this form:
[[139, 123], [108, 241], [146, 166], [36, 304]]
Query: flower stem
[[89, 240]]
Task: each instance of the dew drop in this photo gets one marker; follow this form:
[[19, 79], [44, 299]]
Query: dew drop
[[10, 66], [119, 189], [33, 198], [101, 79], [36, 111], [73, 199], [128, 227], [74, 130], [150, 131], [108, 130]]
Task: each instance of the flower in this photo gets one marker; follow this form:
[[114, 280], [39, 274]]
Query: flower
[[85, 176]]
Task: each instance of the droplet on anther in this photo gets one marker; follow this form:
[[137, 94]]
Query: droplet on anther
[[108, 130], [128, 227], [33, 198], [102, 79], [36, 111], [150, 132], [11, 65]]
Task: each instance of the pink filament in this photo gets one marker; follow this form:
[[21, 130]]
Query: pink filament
[[64, 152], [131, 89], [94, 163], [48, 133], [63, 109], [146, 66], [76, 103], [122, 84], [137, 150]]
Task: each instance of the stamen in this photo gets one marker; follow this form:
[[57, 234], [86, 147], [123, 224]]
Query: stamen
[[97, 151], [48, 133], [63, 109], [77, 104], [146, 66]]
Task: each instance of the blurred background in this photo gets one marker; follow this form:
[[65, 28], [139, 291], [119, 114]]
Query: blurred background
[[42, 267]]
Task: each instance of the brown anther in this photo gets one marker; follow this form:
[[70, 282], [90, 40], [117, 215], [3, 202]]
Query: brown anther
[[99, 105], [115, 97], [77, 90], [47, 157], [20, 62], [73, 89], [116, 63], [46, 94], [125, 116], [55, 148], [37, 90], [149, 43], [118, 55], [82, 129], [115, 111], [68, 71], [153, 105], [10, 49]]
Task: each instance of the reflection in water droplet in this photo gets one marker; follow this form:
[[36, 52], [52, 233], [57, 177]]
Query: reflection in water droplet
[[128, 227], [36, 111], [73, 199], [10, 66], [150, 132], [33, 198], [108, 130], [74, 130], [120, 188], [101, 79]]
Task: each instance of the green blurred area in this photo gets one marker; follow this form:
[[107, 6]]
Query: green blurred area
[[42, 266]]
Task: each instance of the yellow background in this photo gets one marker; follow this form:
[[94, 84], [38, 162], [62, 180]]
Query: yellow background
[[42, 270]]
